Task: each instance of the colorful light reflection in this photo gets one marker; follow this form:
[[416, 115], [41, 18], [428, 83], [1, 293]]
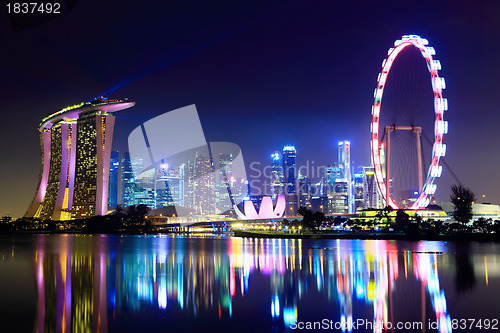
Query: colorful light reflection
[[87, 281]]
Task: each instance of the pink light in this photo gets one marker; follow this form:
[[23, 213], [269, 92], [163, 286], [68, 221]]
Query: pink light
[[266, 211]]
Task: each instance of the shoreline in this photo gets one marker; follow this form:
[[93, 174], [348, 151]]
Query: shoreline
[[280, 235]]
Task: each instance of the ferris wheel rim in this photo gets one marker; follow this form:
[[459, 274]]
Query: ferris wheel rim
[[440, 125]]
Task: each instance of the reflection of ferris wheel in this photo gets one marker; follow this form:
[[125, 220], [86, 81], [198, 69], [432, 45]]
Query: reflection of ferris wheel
[[427, 188]]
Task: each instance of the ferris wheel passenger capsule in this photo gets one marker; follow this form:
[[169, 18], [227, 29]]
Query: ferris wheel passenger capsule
[[436, 171], [436, 65], [430, 50], [442, 127], [441, 104], [430, 189], [439, 149], [423, 41]]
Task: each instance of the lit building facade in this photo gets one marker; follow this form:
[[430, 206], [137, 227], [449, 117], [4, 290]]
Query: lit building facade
[[371, 195], [358, 191], [289, 167], [127, 182], [330, 175], [76, 152], [277, 176], [114, 177], [345, 165], [304, 191]]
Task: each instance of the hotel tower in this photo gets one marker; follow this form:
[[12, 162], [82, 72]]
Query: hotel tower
[[76, 150]]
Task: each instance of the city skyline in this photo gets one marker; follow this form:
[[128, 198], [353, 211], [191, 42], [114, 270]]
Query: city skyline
[[337, 188], [262, 75]]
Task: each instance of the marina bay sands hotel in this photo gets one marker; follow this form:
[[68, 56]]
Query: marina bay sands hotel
[[76, 151]]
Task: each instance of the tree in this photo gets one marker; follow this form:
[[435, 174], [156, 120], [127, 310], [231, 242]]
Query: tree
[[384, 213], [120, 211], [311, 220], [462, 198], [402, 220], [318, 218], [307, 220], [136, 214]]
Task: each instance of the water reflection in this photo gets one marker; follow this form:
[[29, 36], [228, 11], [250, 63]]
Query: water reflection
[[95, 283]]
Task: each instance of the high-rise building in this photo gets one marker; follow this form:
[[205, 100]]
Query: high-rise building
[[76, 152], [345, 164], [204, 186], [340, 198], [289, 167], [371, 195], [277, 176], [114, 177], [358, 191], [304, 191], [332, 173], [127, 182], [224, 198]]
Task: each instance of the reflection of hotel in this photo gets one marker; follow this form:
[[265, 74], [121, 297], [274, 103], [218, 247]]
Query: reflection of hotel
[[76, 151]]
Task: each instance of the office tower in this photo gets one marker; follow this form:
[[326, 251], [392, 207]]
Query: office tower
[[340, 197], [169, 186], [187, 179], [114, 177], [224, 198], [358, 191], [345, 164], [289, 166], [76, 152], [203, 186], [304, 191], [320, 204], [334, 188], [371, 195], [277, 176], [331, 174], [127, 181]]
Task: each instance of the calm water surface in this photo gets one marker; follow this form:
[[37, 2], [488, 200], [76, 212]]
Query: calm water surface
[[78, 283]]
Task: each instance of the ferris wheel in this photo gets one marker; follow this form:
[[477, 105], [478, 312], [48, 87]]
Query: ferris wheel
[[427, 187]]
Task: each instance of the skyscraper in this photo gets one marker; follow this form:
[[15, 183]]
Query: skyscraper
[[76, 151], [332, 173], [277, 177], [371, 195], [127, 181], [223, 196], [358, 190], [114, 177], [345, 164], [304, 191], [289, 166], [204, 186]]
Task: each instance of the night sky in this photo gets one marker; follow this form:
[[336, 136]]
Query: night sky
[[262, 74]]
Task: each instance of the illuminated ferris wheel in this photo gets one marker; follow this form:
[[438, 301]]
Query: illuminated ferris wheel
[[379, 147]]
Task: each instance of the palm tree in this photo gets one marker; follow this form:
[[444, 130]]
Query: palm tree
[[462, 198]]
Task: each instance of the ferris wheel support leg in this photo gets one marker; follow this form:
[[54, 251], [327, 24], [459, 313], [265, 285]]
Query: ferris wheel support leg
[[419, 160], [388, 169]]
